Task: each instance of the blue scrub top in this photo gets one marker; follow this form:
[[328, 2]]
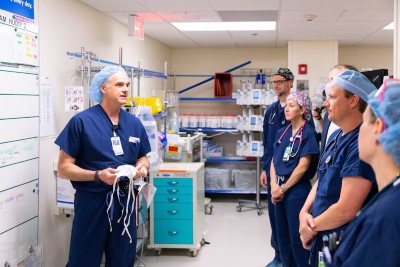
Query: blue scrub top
[[309, 146], [342, 150], [87, 138], [375, 230], [274, 119]]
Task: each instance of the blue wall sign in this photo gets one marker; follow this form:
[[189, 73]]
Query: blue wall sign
[[24, 8]]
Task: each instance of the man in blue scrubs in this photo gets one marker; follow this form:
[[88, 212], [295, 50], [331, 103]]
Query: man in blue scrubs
[[327, 126], [274, 120], [92, 145], [371, 238], [344, 181]]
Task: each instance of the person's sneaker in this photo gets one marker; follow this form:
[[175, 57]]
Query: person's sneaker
[[274, 263]]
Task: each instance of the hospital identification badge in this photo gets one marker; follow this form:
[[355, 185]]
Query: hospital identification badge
[[116, 146], [287, 153]]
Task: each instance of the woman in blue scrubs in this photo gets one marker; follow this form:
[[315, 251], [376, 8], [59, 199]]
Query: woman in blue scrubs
[[372, 237], [93, 144], [293, 165]]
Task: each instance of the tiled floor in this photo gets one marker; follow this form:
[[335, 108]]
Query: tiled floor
[[236, 239]]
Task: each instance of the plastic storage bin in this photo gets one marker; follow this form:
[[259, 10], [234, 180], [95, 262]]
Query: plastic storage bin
[[223, 85]]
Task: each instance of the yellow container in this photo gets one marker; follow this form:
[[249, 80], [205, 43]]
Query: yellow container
[[153, 102]]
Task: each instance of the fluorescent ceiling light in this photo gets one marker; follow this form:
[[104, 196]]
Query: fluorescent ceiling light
[[226, 26], [389, 26]]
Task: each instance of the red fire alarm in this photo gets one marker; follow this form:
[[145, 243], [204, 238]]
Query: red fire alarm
[[302, 68]]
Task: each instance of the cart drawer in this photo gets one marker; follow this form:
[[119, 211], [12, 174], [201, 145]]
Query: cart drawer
[[173, 182], [174, 191], [173, 231], [173, 211], [173, 199]]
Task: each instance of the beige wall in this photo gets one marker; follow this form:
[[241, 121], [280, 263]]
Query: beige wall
[[209, 61], [68, 25], [367, 57], [319, 56]]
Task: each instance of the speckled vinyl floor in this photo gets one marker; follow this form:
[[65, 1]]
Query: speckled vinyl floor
[[237, 239]]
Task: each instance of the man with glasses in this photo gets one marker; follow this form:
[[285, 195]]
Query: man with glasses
[[274, 119], [344, 181]]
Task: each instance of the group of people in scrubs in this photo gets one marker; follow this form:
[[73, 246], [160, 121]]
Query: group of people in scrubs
[[312, 226], [96, 146], [341, 220]]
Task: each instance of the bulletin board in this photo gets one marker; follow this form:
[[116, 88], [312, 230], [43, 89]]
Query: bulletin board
[[19, 135]]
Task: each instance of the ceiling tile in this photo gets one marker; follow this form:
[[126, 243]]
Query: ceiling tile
[[258, 15]]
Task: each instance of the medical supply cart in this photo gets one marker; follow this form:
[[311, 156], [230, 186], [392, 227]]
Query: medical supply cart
[[177, 212]]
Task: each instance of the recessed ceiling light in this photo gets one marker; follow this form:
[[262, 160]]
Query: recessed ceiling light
[[389, 26], [226, 26]]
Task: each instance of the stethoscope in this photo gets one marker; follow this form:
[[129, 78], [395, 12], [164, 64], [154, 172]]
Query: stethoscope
[[331, 146], [273, 115], [298, 135]]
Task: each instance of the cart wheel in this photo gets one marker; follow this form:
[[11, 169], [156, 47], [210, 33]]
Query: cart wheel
[[259, 212], [193, 253], [202, 242], [158, 252], [238, 208]]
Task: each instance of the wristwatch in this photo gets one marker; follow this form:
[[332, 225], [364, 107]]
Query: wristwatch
[[96, 177]]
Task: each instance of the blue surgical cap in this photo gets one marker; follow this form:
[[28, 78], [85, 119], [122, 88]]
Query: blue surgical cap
[[100, 78], [388, 110], [355, 82]]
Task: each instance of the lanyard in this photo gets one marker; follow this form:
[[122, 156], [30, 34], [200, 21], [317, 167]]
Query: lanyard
[[297, 135]]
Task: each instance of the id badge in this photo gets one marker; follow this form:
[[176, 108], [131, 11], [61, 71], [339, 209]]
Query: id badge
[[116, 146], [321, 262], [287, 153]]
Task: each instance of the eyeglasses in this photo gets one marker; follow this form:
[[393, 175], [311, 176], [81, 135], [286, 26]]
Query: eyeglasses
[[279, 82]]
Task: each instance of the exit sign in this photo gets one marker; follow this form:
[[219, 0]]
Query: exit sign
[[136, 27]]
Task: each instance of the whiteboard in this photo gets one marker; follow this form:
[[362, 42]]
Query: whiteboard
[[17, 106], [19, 128], [15, 243], [19, 141], [23, 172], [18, 83], [19, 46], [18, 205]]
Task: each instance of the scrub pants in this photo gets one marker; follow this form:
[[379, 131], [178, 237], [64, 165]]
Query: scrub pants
[[287, 225], [271, 214], [91, 236]]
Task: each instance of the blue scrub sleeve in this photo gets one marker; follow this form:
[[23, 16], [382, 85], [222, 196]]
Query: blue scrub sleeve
[[70, 139], [265, 137], [353, 166]]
